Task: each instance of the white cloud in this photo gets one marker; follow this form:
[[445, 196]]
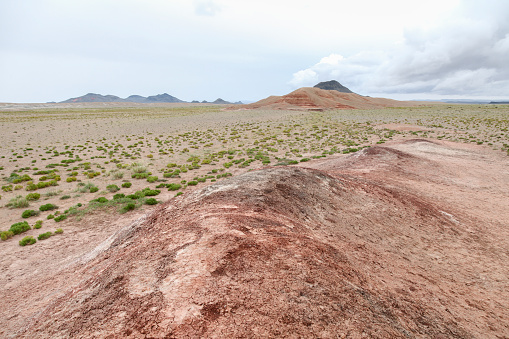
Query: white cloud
[[206, 7], [463, 54]]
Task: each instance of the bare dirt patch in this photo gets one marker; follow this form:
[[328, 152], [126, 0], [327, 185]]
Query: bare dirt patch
[[381, 251]]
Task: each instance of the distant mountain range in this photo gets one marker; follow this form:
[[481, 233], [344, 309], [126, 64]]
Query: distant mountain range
[[160, 98]]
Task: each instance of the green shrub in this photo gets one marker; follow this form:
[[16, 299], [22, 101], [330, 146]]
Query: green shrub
[[100, 200], [71, 179], [192, 183], [152, 178], [133, 196], [126, 184], [128, 207], [38, 224], [28, 240], [147, 192], [7, 188], [118, 196], [113, 188], [32, 196], [94, 189], [140, 175], [44, 236], [6, 235], [51, 216], [59, 231], [151, 201], [48, 207], [61, 217], [18, 202], [29, 213], [304, 159], [174, 187], [178, 193], [64, 197], [19, 227]]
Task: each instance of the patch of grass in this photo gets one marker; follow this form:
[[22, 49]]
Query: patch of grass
[[29, 213], [126, 184], [60, 217], [151, 201], [4, 235], [18, 202], [32, 196], [59, 231], [28, 240], [44, 236], [19, 227], [48, 207], [113, 188]]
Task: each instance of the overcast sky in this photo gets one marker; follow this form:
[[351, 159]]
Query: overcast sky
[[51, 50]]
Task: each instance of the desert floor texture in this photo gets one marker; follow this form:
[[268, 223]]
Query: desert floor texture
[[342, 223]]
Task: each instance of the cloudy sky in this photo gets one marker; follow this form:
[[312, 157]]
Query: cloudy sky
[[51, 50]]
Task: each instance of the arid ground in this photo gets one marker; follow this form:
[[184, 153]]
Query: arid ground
[[350, 223]]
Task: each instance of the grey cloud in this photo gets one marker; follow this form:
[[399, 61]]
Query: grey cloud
[[464, 56]]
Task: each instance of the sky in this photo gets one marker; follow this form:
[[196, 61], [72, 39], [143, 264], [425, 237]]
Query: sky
[[52, 50]]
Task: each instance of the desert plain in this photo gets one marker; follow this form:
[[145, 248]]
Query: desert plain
[[395, 224]]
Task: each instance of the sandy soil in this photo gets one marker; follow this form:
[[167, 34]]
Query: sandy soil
[[435, 264]]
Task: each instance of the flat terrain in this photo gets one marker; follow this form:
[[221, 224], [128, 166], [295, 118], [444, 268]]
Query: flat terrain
[[462, 172]]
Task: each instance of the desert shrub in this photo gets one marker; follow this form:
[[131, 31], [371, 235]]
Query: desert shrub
[[19, 227], [7, 188], [178, 193], [44, 236], [94, 189], [100, 200], [71, 179], [60, 217], [174, 187], [64, 197], [152, 178], [118, 196], [126, 184], [140, 175], [18, 202], [32, 196], [51, 194], [192, 183], [113, 188], [51, 216], [147, 192], [151, 201], [59, 231], [133, 196], [38, 224], [117, 174], [18, 187], [6, 235], [29, 213], [28, 240], [138, 168], [48, 207], [128, 207], [304, 159]]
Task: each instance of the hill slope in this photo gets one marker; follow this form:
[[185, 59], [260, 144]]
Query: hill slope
[[352, 248], [312, 98]]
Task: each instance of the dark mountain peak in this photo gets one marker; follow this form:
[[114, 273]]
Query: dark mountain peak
[[165, 97], [332, 85]]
